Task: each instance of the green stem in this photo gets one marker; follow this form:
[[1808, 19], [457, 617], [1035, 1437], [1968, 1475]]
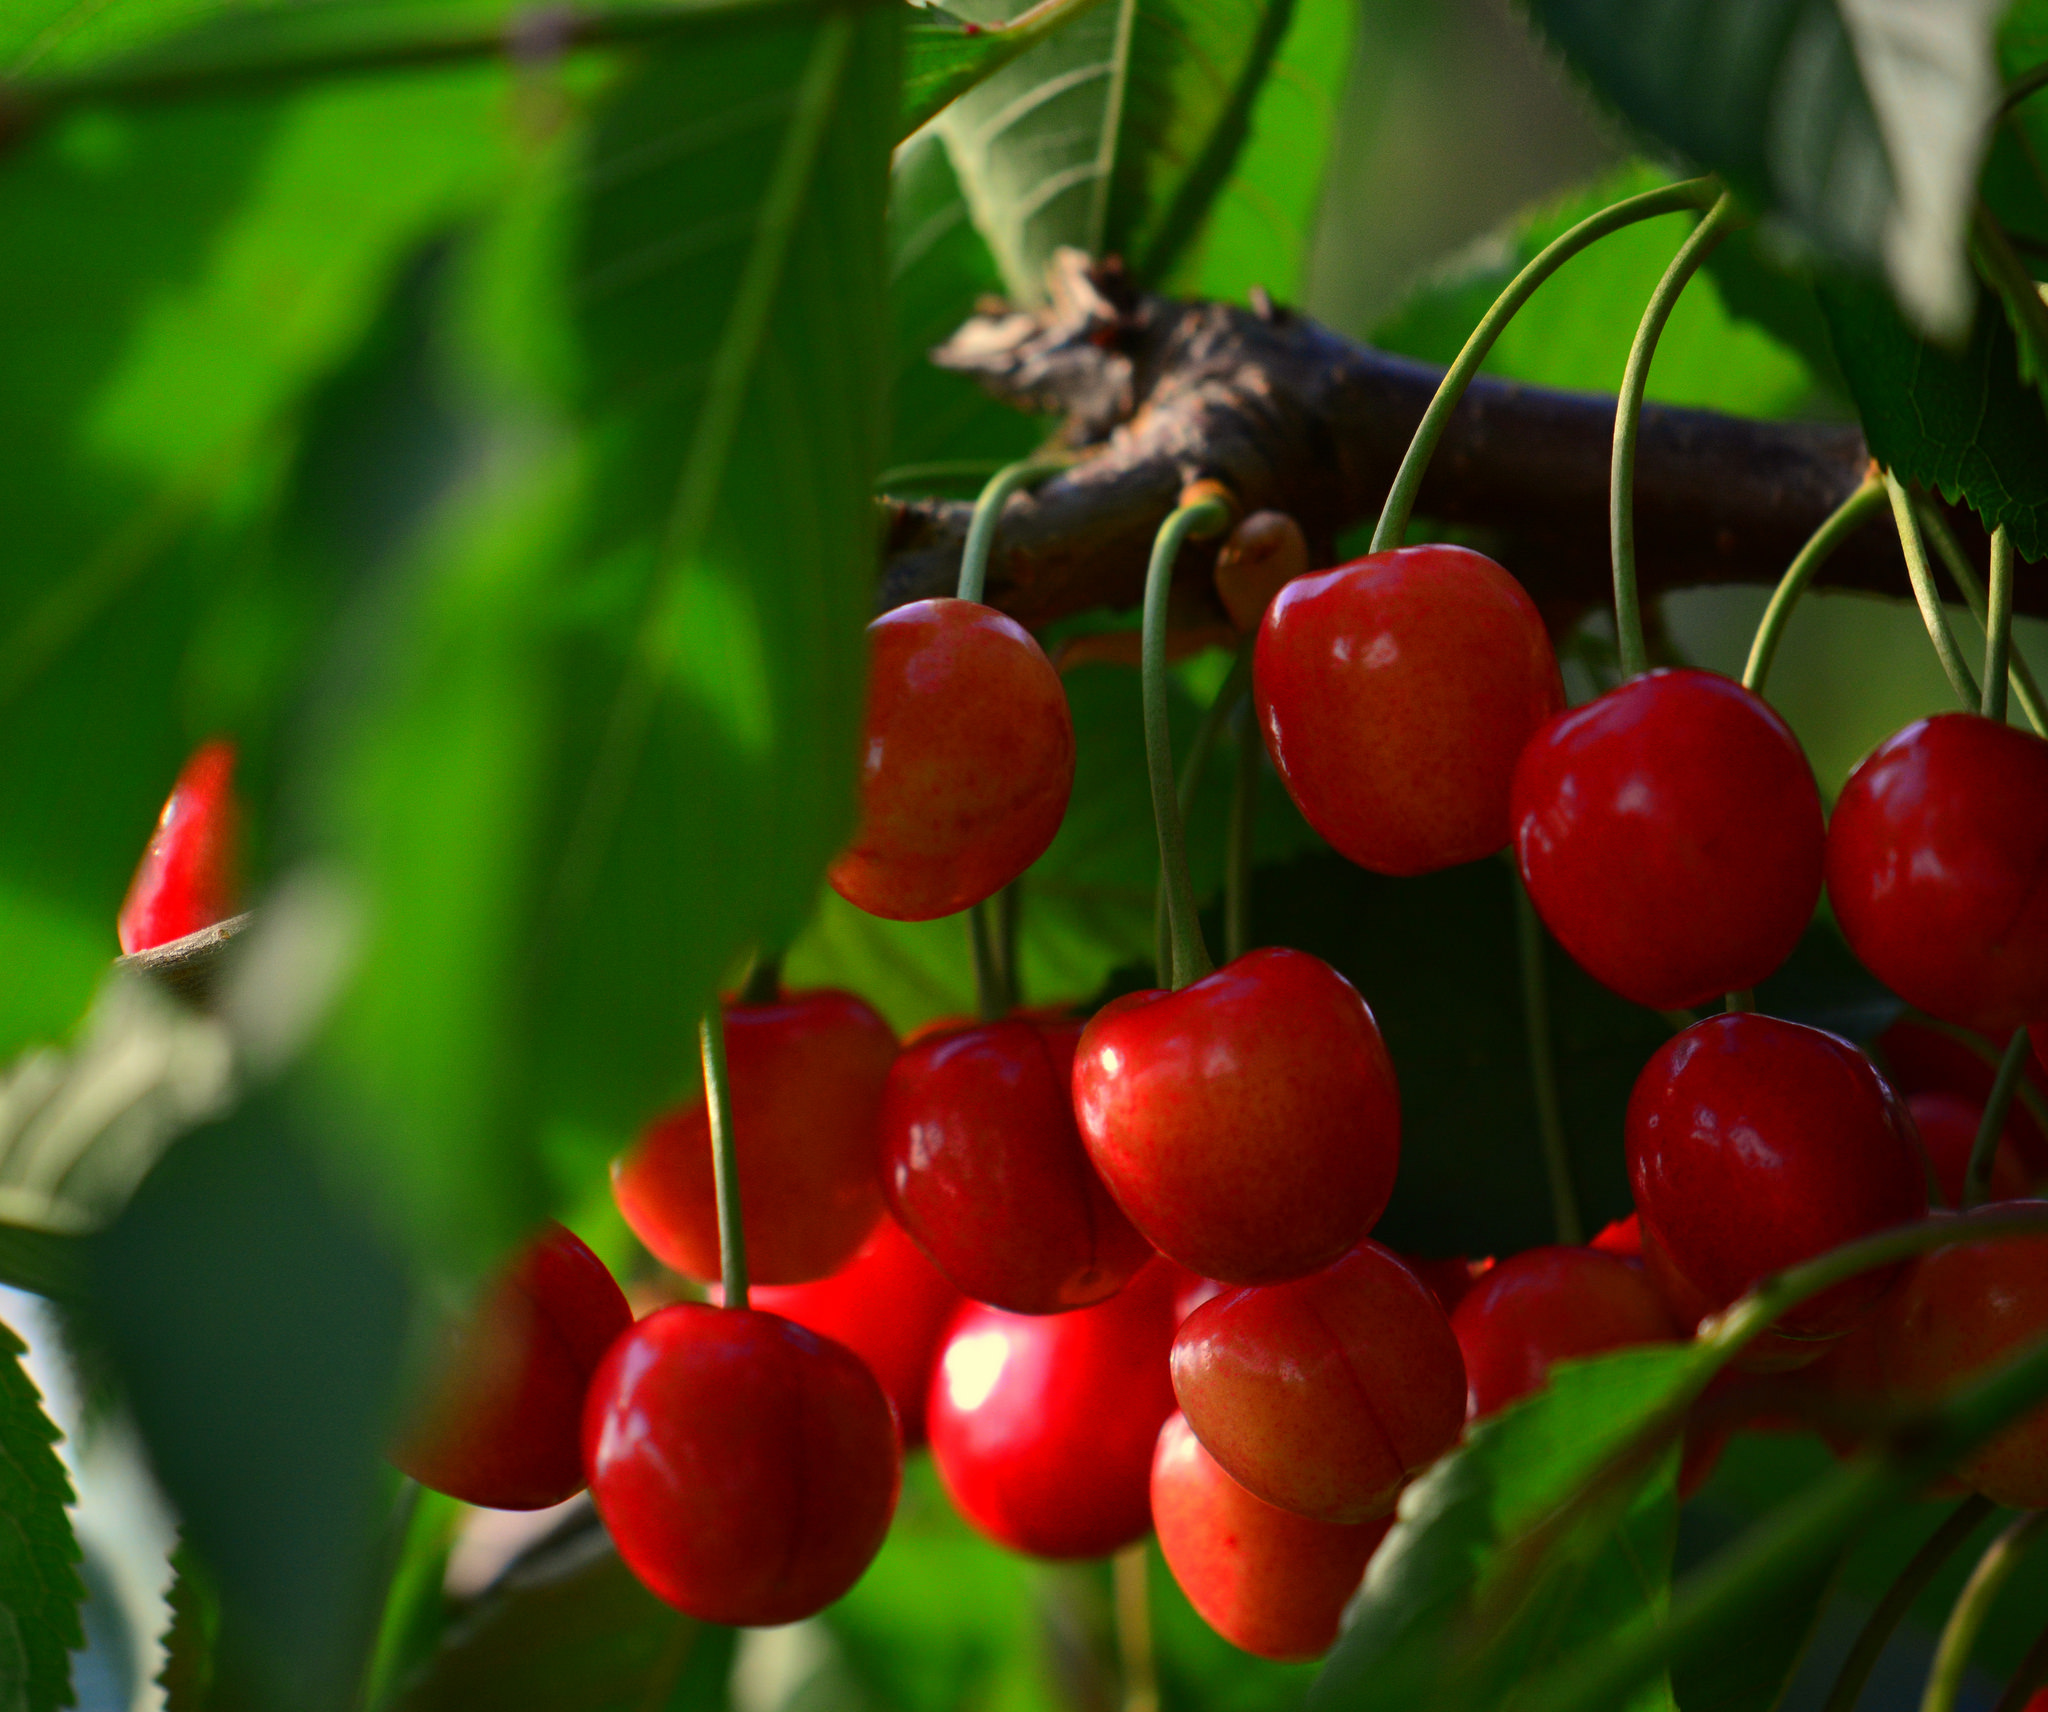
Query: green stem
[[1628, 413], [1839, 525], [2031, 1675], [1963, 1521], [2025, 690], [1671, 199], [1237, 850], [2000, 265], [991, 995], [1741, 999], [1557, 1160], [1187, 955], [763, 985], [1977, 1179], [1200, 747], [1130, 1572], [1966, 1617], [725, 1167], [988, 513], [1927, 595], [1998, 626]]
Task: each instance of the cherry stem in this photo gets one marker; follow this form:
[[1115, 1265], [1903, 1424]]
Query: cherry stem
[[1188, 955], [2031, 1675], [1237, 848], [763, 985], [2028, 1096], [1130, 1572], [1927, 595], [1984, 1151], [1941, 1545], [1998, 627], [1966, 1617], [1741, 999], [1228, 694], [1628, 414], [1565, 1217], [991, 990], [1838, 526], [988, 512], [1400, 501], [725, 1167], [2024, 689]]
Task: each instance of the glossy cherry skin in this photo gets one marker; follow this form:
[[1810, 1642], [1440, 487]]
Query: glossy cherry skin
[[982, 1163], [1960, 1312], [1548, 1305], [746, 1468], [1938, 869], [1622, 1236], [1947, 1126], [1395, 693], [889, 1305], [966, 763], [1755, 1143], [187, 878], [1249, 1124], [807, 1075], [1263, 1578], [1921, 1057], [1324, 1394], [1042, 1426], [1670, 835], [501, 1423]]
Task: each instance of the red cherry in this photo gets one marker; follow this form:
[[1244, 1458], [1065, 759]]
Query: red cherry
[[1948, 1131], [1550, 1305], [1323, 1395], [1248, 1124], [889, 1305], [745, 1468], [807, 1074], [966, 765], [1042, 1426], [1623, 1237], [1959, 1312], [1921, 1057], [1936, 861], [982, 1163], [187, 877], [1755, 1143], [500, 1425], [1395, 693], [1263, 1578], [1670, 835]]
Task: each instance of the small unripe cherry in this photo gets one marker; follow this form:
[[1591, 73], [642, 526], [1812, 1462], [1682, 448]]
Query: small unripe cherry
[[1263, 1578], [966, 762], [1670, 835], [1247, 1124], [982, 1163], [1959, 1313], [889, 1305], [1042, 1426], [1548, 1305], [1395, 694], [745, 1468], [1324, 1394], [188, 877], [500, 1424], [806, 1074], [1936, 859]]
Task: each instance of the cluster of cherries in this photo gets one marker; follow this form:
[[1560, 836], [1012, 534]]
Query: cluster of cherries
[[1120, 1271]]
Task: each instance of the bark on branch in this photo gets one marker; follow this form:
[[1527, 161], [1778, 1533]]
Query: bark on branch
[[1295, 418]]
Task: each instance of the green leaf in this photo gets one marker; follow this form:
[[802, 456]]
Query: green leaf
[[1484, 1579], [1966, 424], [1262, 219], [40, 1591], [1575, 333], [187, 1674], [1116, 135], [569, 1624], [1862, 126], [945, 56], [199, 270]]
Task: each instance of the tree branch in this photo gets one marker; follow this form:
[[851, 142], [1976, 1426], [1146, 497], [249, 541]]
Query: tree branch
[[1296, 419]]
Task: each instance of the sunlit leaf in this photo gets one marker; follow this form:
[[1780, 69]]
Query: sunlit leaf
[[40, 1591]]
